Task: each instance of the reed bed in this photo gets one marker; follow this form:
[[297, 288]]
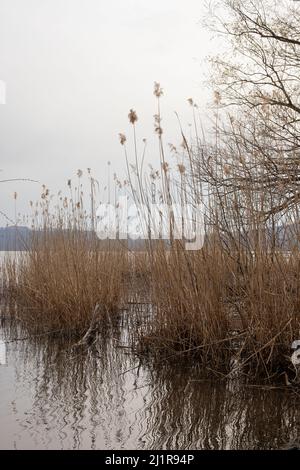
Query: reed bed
[[231, 304], [188, 290], [212, 308], [65, 272], [57, 284], [234, 303]]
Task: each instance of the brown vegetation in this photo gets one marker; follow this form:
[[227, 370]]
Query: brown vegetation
[[239, 296]]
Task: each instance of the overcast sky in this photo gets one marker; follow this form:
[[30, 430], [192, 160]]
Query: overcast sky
[[74, 68]]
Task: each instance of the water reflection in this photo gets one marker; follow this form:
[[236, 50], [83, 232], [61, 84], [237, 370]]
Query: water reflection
[[55, 397]]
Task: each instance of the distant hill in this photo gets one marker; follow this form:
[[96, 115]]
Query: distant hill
[[18, 238], [14, 238]]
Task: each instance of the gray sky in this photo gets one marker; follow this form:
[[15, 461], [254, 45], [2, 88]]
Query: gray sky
[[74, 68]]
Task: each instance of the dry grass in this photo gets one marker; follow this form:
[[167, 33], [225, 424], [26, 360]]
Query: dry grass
[[57, 284], [236, 297], [211, 308], [188, 290], [239, 295]]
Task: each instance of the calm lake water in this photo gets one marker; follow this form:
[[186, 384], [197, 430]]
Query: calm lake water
[[55, 398]]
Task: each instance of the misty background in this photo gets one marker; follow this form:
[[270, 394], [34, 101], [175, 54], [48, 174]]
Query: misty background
[[74, 68]]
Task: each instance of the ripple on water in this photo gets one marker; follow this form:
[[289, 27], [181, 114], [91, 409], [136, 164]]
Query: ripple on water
[[52, 398]]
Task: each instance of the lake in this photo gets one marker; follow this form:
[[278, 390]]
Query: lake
[[55, 397]]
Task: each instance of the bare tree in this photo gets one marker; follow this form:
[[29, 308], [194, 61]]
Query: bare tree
[[259, 87]]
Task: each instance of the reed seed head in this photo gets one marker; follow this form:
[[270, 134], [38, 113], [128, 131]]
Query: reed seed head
[[132, 116], [217, 97], [181, 168], [158, 91], [165, 166], [122, 138], [157, 127]]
